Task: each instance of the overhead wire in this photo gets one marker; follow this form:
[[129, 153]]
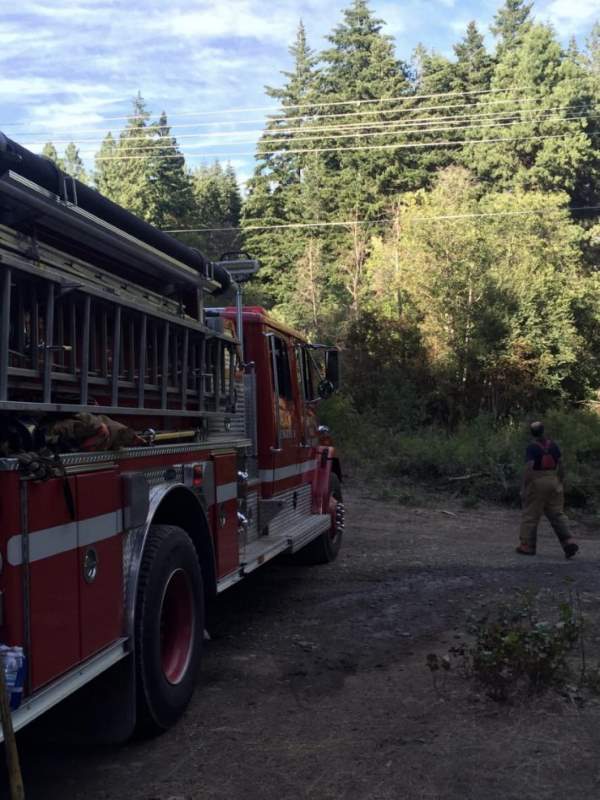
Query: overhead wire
[[298, 119], [391, 129], [384, 221], [403, 145], [419, 124], [327, 104]]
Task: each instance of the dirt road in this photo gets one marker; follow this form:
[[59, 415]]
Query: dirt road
[[315, 685]]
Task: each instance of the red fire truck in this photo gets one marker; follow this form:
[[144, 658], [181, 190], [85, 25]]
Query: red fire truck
[[153, 451]]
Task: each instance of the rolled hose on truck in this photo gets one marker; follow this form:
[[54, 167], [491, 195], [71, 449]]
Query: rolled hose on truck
[[43, 172]]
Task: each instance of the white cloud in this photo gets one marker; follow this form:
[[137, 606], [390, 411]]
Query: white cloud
[[458, 25], [70, 66], [571, 16], [395, 17], [234, 19]]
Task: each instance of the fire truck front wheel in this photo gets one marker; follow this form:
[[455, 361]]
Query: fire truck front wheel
[[169, 627]]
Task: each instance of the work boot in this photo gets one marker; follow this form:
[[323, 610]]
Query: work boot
[[570, 549], [525, 550]]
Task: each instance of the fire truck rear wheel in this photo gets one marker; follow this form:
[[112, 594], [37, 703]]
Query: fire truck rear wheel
[[169, 627], [326, 547]]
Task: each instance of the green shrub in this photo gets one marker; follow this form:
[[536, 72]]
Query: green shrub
[[512, 648]]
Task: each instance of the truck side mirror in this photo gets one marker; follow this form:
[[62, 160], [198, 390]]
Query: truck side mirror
[[332, 367]]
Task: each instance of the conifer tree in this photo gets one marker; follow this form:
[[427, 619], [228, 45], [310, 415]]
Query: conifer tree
[[592, 53], [107, 174], [361, 65], [362, 178], [50, 151], [125, 167], [544, 142], [217, 204], [277, 190], [170, 186], [511, 23], [433, 74], [474, 66], [144, 171], [73, 163]]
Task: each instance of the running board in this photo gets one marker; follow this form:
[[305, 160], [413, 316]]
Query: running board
[[268, 547], [265, 548], [315, 525]]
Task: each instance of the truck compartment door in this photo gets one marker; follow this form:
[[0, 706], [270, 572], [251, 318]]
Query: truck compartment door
[[225, 522], [52, 578], [100, 559]]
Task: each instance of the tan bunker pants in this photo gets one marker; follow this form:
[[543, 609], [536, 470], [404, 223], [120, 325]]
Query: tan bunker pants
[[543, 495]]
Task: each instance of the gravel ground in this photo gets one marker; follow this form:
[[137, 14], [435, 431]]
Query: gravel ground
[[315, 685]]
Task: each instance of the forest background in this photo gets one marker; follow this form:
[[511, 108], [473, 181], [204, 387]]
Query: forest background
[[437, 218]]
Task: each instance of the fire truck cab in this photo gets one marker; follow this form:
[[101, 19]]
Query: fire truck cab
[[153, 452]]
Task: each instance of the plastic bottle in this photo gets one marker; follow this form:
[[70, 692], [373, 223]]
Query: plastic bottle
[[13, 663]]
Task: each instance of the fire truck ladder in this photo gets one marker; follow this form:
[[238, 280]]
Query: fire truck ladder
[[76, 337]]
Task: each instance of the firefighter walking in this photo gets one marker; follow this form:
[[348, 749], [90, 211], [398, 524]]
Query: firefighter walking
[[542, 493]]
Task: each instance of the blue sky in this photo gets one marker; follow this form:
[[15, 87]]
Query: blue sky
[[71, 67]]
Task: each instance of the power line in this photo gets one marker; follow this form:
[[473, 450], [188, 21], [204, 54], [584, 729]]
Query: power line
[[423, 130], [384, 221], [390, 130], [349, 148], [418, 124], [314, 104], [392, 127], [304, 117]]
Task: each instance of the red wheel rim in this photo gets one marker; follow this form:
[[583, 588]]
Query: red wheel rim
[[176, 626]]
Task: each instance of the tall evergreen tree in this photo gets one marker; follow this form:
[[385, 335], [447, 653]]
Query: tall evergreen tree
[[144, 170], [474, 66], [511, 23], [170, 185], [218, 205], [433, 74], [592, 53], [73, 163], [449, 115], [49, 151], [124, 167], [544, 140], [363, 177], [361, 65], [107, 175], [276, 193]]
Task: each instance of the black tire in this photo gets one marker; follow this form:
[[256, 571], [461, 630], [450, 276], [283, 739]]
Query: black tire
[[169, 628], [325, 547]]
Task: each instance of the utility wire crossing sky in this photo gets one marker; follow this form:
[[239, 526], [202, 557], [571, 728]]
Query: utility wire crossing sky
[[73, 66]]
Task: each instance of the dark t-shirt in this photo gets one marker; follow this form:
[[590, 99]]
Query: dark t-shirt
[[535, 453]]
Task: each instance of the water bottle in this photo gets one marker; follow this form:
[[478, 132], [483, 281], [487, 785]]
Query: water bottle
[[13, 663]]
